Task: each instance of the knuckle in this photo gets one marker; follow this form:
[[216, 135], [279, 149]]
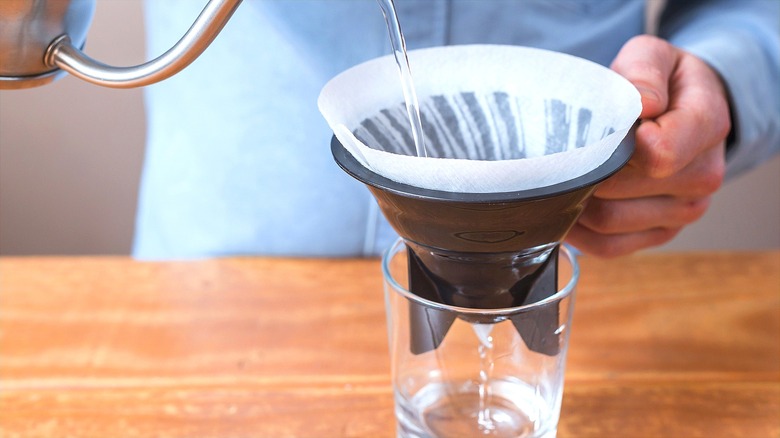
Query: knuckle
[[661, 160], [712, 179], [714, 120], [693, 210], [721, 117], [600, 216], [707, 180], [723, 122], [648, 41], [664, 235], [719, 109]]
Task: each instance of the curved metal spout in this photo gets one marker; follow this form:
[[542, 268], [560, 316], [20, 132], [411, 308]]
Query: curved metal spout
[[63, 54]]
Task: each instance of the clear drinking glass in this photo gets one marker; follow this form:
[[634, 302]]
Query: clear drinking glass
[[483, 379]]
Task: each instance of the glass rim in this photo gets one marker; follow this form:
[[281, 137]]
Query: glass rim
[[563, 292]]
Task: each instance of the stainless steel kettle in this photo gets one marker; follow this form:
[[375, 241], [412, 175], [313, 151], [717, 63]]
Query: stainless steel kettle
[[40, 40]]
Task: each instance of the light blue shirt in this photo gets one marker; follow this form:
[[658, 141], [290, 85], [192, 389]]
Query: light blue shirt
[[238, 158]]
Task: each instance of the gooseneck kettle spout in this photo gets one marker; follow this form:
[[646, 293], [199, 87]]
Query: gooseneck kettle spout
[[206, 27], [41, 39]]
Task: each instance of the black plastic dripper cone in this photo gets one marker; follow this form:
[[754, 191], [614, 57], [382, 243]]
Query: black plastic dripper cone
[[481, 250], [429, 325]]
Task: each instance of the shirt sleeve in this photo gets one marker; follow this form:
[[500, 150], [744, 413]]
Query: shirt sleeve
[[740, 39]]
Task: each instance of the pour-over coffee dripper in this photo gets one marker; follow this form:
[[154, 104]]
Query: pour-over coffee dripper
[[519, 138], [482, 250]]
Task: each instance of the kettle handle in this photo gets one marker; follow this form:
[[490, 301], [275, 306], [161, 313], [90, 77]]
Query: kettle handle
[[63, 54]]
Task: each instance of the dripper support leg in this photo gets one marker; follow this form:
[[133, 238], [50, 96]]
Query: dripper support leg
[[540, 331], [428, 326]]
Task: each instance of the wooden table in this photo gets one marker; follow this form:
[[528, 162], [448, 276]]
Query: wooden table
[[673, 345]]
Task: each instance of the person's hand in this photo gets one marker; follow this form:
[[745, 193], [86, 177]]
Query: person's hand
[[679, 159]]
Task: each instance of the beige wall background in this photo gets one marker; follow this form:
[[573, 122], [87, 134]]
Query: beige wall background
[[71, 157]]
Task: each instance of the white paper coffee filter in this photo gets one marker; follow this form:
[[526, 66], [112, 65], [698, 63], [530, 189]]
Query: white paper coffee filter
[[495, 118]]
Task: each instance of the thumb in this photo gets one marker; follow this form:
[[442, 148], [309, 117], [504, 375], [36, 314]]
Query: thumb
[[648, 63]]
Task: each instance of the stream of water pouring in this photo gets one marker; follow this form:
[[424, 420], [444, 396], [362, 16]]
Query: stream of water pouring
[[410, 96], [484, 420]]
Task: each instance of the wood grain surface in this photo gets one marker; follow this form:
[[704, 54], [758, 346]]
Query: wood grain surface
[[663, 345]]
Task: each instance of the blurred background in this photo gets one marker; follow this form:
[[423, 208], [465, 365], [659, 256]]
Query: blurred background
[[71, 156]]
